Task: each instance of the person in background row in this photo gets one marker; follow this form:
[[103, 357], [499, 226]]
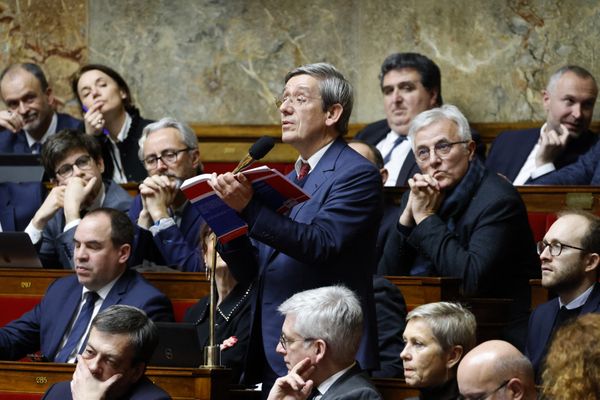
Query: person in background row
[[74, 164], [436, 337], [109, 114], [30, 119], [460, 220], [167, 224], [58, 325], [319, 340], [496, 370], [569, 101], [570, 255], [19, 201], [122, 340], [573, 364], [410, 83], [232, 318]]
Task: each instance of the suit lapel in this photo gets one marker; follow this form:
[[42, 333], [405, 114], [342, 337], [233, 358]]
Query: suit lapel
[[521, 152], [69, 307], [337, 385], [593, 302], [116, 293], [547, 324], [409, 168]]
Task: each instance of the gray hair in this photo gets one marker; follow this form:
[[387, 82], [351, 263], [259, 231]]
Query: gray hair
[[451, 323], [129, 320], [186, 134], [330, 313], [576, 69], [333, 87], [447, 111]]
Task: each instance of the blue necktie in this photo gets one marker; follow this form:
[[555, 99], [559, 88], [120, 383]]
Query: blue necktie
[[36, 148], [79, 327], [388, 156]]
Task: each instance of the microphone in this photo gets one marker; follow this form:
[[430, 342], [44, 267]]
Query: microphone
[[257, 151]]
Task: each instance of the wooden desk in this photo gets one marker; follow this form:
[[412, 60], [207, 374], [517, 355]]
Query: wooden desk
[[394, 389], [419, 290], [180, 383]]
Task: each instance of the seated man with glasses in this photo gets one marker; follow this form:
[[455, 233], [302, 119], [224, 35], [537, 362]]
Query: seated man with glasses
[[168, 226], [73, 162], [319, 341], [459, 220], [495, 370], [570, 254]]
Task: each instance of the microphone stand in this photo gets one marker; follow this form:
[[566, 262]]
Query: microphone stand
[[212, 352]]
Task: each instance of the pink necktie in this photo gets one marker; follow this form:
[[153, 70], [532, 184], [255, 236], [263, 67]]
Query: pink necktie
[[304, 168]]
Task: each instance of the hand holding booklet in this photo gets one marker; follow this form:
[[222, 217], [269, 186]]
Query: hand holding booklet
[[271, 186]]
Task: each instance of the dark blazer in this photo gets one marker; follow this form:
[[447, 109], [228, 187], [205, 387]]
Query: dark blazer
[[510, 150], [56, 247], [43, 327], [144, 389], [18, 203], [541, 324], [232, 319], [326, 240], [134, 169], [17, 142], [353, 385], [377, 131], [391, 314], [585, 171], [176, 247], [491, 249]]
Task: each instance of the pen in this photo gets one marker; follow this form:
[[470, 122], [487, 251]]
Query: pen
[[104, 130]]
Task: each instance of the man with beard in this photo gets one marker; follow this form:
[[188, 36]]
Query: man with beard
[[570, 254], [30, 119], [168, 226], [74, 164]]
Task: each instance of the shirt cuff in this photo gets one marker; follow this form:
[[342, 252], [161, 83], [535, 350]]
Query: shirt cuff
[[542, 170], [72, 224], [161, 225], [34, 234]]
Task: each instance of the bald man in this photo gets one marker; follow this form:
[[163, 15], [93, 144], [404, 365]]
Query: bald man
[[496, 368]]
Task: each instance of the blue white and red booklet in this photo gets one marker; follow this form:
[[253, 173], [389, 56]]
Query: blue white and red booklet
[[274, 189]]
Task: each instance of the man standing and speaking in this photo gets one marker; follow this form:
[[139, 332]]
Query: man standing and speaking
[[326, 240]]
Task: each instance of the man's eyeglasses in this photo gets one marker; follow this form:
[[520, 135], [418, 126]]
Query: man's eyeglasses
[[168, 157], [555, 247], [486, 395], [296, 100], [285, 341], [441, 149], [84, 163]]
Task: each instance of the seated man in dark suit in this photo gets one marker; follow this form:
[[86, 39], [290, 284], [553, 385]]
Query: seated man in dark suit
[[122, 340], [57, 326], [74, 164], [462, 221], [410, 83], [19, 201], [319, 340], [570, 254], [167, 224], [569, 101], [30, 119]]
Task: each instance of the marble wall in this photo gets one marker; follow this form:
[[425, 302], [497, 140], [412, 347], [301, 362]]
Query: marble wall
[[222, 61]]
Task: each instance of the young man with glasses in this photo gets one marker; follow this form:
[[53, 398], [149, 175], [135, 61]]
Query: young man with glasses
[[570, 254], [167, 225], [73, 161], [460, 220], [495, 370]]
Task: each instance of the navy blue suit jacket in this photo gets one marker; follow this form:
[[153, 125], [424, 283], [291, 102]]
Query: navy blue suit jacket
[[510, 150], [326, 240], [353, 384], [44, 327], [377, 131], [585, 171], [144, 389], [177, 247], [541, 324], [17, 142], [18, 204]]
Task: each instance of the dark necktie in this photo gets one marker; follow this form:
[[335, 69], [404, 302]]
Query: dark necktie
[[304, 169], [79, 327], [36, 148], [388, 156]]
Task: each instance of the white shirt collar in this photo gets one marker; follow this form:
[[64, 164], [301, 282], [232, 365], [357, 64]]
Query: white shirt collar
[[103, 292], [313, 160], [327, 383], [50, 131], [578, 301]]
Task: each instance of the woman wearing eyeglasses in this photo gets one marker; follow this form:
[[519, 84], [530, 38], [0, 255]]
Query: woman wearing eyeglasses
[[110, 115], [436, 337]]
